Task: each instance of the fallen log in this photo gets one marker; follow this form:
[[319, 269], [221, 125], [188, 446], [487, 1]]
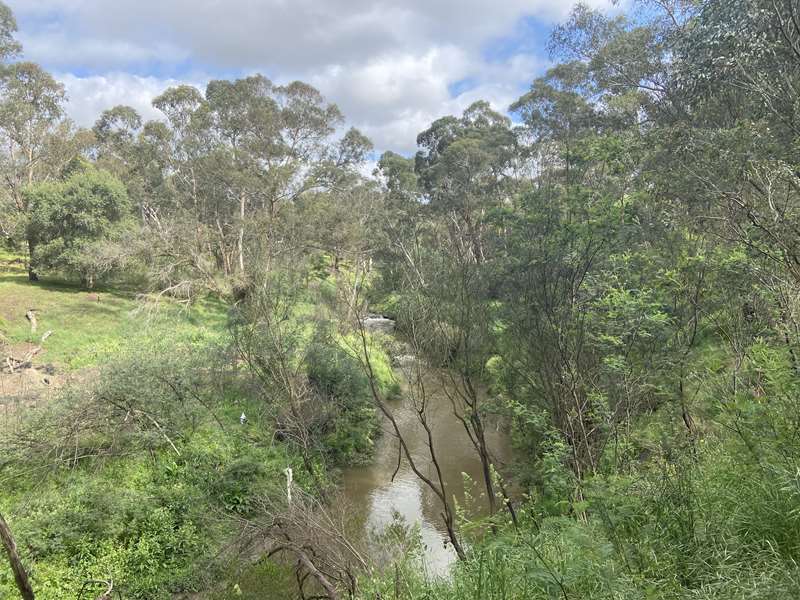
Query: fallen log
[[26, 362]]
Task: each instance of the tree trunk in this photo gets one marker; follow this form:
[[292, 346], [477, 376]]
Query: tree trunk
[[486, 462], [20, 575], [32, 276], [241, 233], [30, 165]]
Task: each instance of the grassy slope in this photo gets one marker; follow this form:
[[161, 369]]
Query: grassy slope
[[144, 518], [88, 334], [85, 331]]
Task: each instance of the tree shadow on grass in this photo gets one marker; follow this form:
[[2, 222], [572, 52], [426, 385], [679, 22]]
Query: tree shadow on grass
[[115, 299], [66, 286]]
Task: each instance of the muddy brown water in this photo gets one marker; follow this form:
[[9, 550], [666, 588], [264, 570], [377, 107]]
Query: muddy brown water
[[375, 496]]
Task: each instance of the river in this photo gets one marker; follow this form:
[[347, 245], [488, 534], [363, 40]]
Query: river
[[373, 493]]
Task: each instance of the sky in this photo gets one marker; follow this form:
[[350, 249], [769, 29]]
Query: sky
[[392, 66]]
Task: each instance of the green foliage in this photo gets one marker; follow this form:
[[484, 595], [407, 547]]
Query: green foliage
[[152, 477], [71, 220], [343, 388], [340, 381], [619, 266], [720, 528], [266, 580]]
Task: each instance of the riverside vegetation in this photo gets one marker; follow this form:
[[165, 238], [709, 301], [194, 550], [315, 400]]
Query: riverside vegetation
[[611, 279]]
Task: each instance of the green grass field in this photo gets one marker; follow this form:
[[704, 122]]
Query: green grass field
[[86, 331]]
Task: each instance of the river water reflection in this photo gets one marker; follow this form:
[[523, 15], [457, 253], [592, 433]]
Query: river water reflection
[[373, 493]]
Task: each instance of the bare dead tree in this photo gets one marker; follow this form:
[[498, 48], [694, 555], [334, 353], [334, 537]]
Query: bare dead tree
[[267, 339], [436, 484], [458, 327], [449, 325], [311, 535]]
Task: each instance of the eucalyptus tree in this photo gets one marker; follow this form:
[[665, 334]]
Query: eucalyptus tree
[[464, 166], [403, 221], [135, 152], [36, 138], [557, 116], [665, 154], [9, 46], [582, 328], [116, 133], [740, 67], [31, 123], [184, 142], [31, 107], [630, 55], [339, 224], [238, 155], [398, 175]]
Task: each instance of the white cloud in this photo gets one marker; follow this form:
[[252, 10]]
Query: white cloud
[[393, 98], [389, 65], [61, 50], [287, 34], [90, 96]]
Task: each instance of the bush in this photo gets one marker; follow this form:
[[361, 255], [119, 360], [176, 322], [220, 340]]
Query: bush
[[72, 222], [340, 383]]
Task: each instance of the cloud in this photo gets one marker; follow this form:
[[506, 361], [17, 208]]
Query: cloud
[[393, 98], [280, 34], [392, 66], [61, 51], [90, 96]]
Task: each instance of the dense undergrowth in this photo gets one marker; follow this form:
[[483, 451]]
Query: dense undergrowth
[[711, 511], [140, 470], [607, 271], [714, 514]]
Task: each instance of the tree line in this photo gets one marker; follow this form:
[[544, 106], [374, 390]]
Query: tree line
[[616, 258]]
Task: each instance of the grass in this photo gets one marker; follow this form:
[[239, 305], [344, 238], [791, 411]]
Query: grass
[[86, 332]]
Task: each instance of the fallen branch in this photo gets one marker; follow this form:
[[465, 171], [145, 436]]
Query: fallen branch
[[26, 362], [160, 429], [105, 595], [313, 570], [20, 575]]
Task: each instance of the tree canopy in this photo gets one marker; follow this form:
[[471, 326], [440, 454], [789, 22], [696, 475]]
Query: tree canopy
[[598, 285]]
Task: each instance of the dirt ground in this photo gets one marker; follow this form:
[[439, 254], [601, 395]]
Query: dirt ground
[[25, 386], [25, 382]]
